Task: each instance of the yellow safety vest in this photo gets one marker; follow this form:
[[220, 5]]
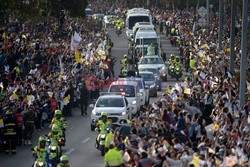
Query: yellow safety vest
[[191, 63], [113, 158]]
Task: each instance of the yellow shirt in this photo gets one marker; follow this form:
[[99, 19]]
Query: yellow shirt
[[113, 158]]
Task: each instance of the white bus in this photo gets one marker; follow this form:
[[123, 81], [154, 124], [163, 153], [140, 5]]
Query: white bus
[[134, 16]]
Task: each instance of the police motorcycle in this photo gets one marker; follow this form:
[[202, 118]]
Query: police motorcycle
[[40, 153], [175, 70], [118, 31], [54, 152], [100, 141]]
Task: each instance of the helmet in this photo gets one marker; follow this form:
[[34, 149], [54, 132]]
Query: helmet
[[64, 158], [55, 128], [8, 112], [125, 56], [177, 58], [172, 56], [191, 57], [104, 114], [42, 138], [58, 112]]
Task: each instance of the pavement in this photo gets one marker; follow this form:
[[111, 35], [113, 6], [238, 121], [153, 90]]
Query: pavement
[[80, 139]]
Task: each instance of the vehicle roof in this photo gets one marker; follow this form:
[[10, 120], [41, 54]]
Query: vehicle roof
[[131, 79], [143, 24], [124, 83], [146, 72], [146, 33], [138, 10], [111, 96], [88, 9], [151, 56], [148, 68]]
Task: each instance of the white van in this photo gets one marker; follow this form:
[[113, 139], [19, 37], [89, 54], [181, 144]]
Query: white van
[[134, 16], [143, 26], [128, 89], [144, 38]]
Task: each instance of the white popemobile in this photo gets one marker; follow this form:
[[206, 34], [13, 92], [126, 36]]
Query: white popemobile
[[116, 106]]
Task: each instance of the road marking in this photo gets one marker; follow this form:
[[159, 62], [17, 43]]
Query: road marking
[[85, 140], [69, 151]]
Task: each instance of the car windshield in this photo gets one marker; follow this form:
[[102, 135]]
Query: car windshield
[[155, 60], [128, 89], [135, 19], [148, 41], [153, 70], [139, 83], [147, 76], [110, 102]]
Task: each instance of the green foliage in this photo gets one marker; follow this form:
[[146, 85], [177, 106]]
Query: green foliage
[[40, 9]]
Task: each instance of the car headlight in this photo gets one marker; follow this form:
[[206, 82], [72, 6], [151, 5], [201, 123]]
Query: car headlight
[[123, 113], [53, 148], [134, 102], [152, 86], [93, 112], [163, 68], [40, 163]]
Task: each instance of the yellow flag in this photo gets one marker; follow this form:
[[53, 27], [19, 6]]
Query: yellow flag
[[66, 99], [215, 127], [28, 97], [187, 91], [166, 143], [77, 56], [168, 90], [195, 161], [14, 96]]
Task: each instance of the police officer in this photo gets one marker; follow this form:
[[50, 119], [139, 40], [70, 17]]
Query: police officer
[[40, 151], [124, 65], [56, 134], [9, 133], [64, 161], [113, 158], [192, 62], [103, 124], [59, 120]]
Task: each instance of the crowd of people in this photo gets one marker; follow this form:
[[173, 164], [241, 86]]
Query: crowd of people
[[198, 122], [39, 71]]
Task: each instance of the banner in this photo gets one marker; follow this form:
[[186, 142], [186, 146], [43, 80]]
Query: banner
[[75, 41]]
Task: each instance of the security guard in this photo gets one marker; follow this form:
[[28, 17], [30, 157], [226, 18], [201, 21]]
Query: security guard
[[124, 65], [173, 31], [192, 62], [113, 158], [64, 161], [9, 133], [172, 59], [177, 61], [118, 25], [40, 151]]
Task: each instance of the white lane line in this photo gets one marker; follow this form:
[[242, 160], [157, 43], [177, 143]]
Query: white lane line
[[69, 151], [85, 140]]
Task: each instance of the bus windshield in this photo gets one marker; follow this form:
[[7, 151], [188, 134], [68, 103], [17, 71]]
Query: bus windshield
[[135, 19]]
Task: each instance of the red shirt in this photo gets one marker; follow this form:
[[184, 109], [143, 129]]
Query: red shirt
[[53, 104]]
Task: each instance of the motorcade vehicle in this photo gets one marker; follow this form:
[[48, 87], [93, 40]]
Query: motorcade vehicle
[[154, 61], [88, 12], [116, 106], [157, 75], [140, 82], [134, 16], [150, 82], [130, 90]]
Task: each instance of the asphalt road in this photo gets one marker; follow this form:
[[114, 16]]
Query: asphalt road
[[80, 140]]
